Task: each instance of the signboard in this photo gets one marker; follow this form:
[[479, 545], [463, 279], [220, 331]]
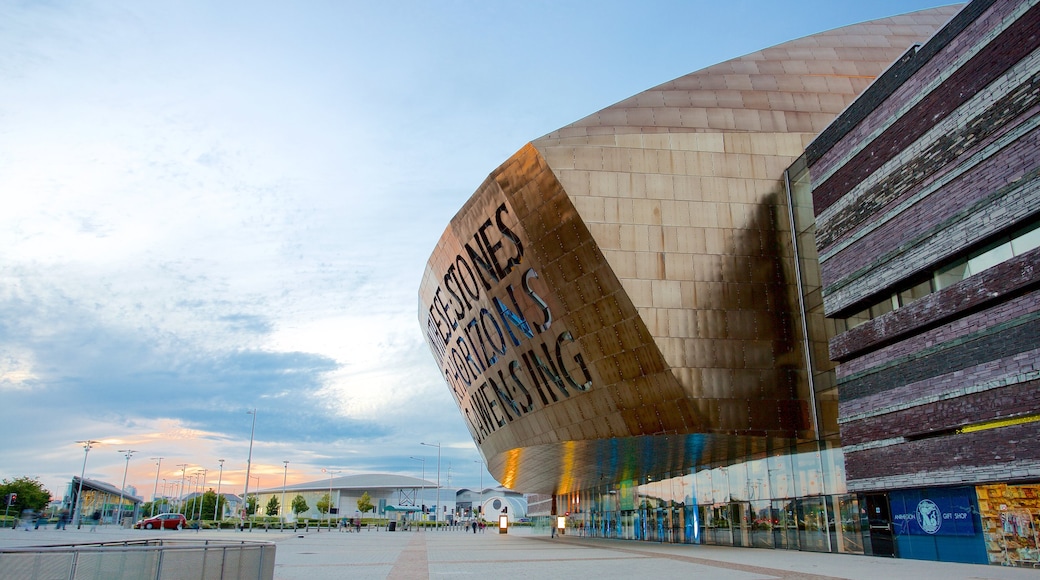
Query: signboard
[[934, 512]]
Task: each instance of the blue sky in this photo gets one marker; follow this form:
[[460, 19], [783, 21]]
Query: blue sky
[[210, 207]]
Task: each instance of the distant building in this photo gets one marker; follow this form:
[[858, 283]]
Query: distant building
[[101, 498], [391, 495]]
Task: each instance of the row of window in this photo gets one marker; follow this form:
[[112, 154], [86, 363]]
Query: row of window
[[1001, 250]]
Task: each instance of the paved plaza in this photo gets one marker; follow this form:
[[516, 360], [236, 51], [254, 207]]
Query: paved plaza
[[523, 553]]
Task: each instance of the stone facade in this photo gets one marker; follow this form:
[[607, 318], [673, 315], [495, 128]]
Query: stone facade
[[942, 389]]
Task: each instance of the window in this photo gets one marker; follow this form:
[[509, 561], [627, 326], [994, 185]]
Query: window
[[997, 252]]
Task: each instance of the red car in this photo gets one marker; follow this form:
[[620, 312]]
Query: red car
[[166, 521]]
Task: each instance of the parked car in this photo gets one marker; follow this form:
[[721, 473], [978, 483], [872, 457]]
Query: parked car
[[165, 521]]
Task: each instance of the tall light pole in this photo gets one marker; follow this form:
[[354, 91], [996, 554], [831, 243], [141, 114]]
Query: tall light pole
[[285, 474], [76, 519], [481, 462], [436, 514], [423, 459], [192, 485], [155, 490], [180, 490], [331, 473], [204, 473], [196, 505], [128, 453], [249, 464], [219, 478]]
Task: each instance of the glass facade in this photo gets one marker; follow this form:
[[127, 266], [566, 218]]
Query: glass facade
[[795, 500]]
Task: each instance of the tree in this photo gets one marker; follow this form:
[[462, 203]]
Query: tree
[[272, 506], [364, 503], [31, 494], [212, 503], [299, 505], [324, 504], [251, 505]]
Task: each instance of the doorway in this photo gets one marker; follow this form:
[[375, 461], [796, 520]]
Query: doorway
[[879, 517]]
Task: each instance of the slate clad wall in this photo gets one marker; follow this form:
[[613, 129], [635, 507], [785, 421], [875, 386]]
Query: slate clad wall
[[944, 162]]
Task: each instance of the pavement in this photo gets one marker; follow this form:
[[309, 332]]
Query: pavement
[[527, 553]]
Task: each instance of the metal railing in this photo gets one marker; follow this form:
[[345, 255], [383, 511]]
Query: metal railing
[[140, 560]]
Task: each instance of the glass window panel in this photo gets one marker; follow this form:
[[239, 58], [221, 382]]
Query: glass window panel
[[781, 483], [833, 464], [919, 291], [1025, 241], [882, 307], [950, 275], [808, 471], [738, 482], [990, 258], [702, 488], [857, 319]]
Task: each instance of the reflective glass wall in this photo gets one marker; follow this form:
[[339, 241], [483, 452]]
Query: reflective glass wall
[[791, 500]]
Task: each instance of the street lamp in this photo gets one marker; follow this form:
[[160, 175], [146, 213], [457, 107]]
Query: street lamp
[[128, 453], [481, 462], [204, 473], [285, 473], [180, 490], [249, 463], [331, 473], [423, 496], [193, 485], [155, 489], [436, 513], [77, 520], [196, 505], [220, 477]]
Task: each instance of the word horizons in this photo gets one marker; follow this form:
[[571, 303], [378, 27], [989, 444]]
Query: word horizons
[[499, 365]]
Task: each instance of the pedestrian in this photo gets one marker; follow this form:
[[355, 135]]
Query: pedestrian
[[63, 518], [27, 517], [95, 519], [474, 526], [41, 518], [552, 527]]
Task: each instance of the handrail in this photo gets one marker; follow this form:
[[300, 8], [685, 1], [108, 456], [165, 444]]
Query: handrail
[[144, 559]]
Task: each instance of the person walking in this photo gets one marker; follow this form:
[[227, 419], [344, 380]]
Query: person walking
[[63, 518], [95, 518]]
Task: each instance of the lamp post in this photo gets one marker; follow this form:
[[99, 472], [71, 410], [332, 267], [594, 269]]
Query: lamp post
[[128, 453], [331, 473], [205, 472], [436, 513], [180, 490], [285, 473], [87, 444], [220, 476], [249, 463], [423, 459], [200, 490], [481, 462], [193, 485], [155, 490]]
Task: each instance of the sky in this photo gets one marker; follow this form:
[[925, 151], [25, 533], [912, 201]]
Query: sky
[[210, 207]]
